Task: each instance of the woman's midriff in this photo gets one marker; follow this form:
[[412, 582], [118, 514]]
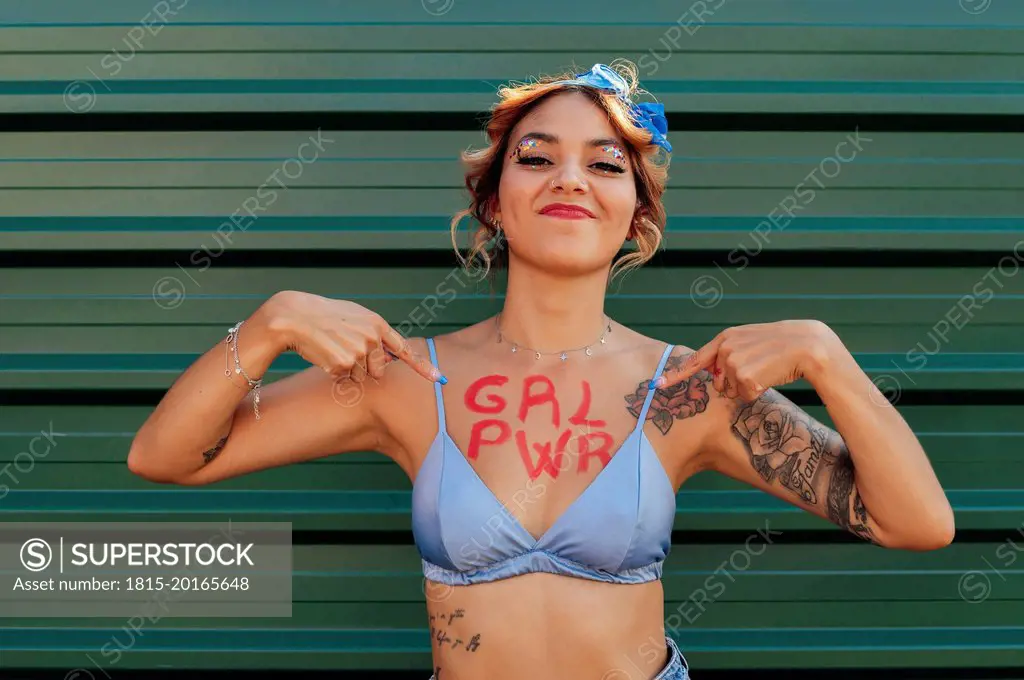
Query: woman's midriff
[[546, 627]]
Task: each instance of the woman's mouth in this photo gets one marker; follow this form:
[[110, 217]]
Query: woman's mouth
[[567, 211]]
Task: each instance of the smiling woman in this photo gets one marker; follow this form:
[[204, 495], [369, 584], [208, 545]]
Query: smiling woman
[[546, 457], [522, 166]]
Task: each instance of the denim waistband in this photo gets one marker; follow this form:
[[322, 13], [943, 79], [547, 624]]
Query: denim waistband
[[676, 668]]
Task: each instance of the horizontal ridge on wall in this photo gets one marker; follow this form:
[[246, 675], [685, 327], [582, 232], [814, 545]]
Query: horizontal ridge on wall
[[418, 259], [150, 397], [679, 537], [451, 121]]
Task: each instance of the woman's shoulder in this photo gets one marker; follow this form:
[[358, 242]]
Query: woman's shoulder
[[644, 347], [447, 333]]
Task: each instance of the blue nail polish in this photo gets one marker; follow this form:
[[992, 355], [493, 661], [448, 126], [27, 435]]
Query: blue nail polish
[[443, 380], [653, 384]]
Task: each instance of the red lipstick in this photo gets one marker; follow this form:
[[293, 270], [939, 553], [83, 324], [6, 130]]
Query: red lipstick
[[567, 211]]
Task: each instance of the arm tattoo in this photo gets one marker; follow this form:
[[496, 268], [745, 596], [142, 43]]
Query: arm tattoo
[[212, 453], [682, 400], [840, 490], [788, 446]]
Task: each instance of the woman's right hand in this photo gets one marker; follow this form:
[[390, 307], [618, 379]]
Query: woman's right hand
[[343, 338]]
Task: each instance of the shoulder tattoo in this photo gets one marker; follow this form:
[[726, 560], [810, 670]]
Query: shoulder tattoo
[[675, 402]]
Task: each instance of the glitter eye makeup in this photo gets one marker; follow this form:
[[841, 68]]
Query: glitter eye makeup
[[616, 153], [526, 144], [524, 154]]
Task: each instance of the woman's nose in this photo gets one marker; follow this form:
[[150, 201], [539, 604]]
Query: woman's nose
[[569, 180]]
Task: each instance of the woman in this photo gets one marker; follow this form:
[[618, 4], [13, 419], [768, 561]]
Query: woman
[[544, 468]]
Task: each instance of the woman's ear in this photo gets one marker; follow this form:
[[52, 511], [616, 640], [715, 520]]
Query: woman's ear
[[634, 225]]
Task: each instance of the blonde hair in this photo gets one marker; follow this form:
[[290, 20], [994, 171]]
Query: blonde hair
[[483, 169]]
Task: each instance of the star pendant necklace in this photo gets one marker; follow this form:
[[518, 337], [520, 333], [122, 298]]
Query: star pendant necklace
[[562, 354]]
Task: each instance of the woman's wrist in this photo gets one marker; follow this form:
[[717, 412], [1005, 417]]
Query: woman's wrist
[[261, 339]]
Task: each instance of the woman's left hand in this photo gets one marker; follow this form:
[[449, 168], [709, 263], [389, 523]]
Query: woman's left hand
[[747, 360]]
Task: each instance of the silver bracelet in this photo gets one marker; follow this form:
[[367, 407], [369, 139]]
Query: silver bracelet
[[232, 341]]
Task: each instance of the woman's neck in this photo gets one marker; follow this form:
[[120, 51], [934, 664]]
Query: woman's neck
[[553, 313]]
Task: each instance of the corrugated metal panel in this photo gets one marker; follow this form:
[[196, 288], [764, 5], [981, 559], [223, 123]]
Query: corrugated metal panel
[[799, 190], [75, 190]]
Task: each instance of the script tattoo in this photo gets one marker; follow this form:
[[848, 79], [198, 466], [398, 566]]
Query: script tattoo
[[440, 635], [789, 447], [675, 402], [210, 454]]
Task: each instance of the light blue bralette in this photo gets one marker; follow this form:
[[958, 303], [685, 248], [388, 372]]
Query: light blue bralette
[[618, 530]]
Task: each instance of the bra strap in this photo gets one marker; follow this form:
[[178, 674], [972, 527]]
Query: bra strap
[[437, 386], [650, 393]]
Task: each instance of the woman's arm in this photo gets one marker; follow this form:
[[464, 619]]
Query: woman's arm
[[893, 474], [872, 477], [205, 430]]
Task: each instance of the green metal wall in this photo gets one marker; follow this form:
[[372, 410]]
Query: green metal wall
[[128, 138]]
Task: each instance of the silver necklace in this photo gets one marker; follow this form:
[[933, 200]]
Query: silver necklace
[[562, 354]]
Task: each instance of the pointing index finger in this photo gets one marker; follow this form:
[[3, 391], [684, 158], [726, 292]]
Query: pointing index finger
[[398, 347], [703, 358]]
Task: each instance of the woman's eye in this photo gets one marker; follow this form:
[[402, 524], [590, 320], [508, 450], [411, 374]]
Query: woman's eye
[[537, 161], [609, 167]]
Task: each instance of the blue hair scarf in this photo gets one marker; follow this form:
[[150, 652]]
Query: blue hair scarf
[[647, 115]]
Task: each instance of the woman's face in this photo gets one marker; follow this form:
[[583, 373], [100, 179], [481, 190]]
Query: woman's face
[[565, 151]]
